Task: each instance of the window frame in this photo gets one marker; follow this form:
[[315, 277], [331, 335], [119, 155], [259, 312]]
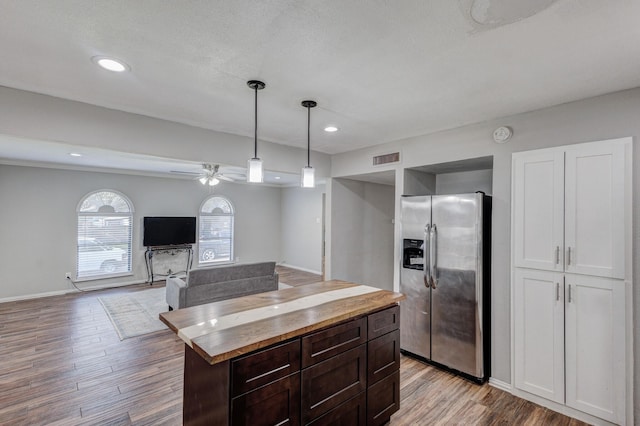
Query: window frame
[[129, 214], [232, 215]]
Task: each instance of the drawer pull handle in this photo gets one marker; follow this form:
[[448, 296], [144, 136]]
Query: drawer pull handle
[[268, 372]]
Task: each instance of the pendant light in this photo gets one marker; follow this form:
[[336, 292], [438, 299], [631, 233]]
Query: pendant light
[[308, 178], [254, 165]]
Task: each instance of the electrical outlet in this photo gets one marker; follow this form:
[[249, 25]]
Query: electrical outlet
[[68, 275]]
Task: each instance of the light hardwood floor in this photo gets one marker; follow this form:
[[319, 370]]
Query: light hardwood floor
[[62, 363]]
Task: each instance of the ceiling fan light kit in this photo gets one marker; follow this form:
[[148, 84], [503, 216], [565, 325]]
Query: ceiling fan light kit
[[212, 176]]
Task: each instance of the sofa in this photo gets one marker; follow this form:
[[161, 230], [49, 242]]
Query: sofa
[[207, 285]]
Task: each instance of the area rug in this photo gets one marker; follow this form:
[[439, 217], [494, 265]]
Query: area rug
[[135, 314]]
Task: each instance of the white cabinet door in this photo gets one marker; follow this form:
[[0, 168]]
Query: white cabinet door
[[538, 202], [594, 210], [595, 345], [539, 333]]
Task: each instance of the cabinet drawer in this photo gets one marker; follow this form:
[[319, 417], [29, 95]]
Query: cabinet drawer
[[383, 399], [350, 413], [255, 370], [332, 341], [332, 382], [383, 356], [383, 322], [277, 403]]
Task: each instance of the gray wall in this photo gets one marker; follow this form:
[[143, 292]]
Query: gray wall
[[362, 232], [81, 124], [302, 228], [464, 182], [38, 221], [605, 117]]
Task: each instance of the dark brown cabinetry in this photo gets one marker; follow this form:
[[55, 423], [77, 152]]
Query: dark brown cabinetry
[[332, 382], [258, 369], [277, 403], [347, 374]]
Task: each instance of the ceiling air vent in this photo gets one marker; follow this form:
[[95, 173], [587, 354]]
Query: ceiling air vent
[[386, 158]]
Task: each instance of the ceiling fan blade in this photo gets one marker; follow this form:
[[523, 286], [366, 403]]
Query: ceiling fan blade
[[225, 178], [181, 172]]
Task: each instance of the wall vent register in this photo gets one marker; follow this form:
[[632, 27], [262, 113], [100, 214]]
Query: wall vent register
[[386, 159]]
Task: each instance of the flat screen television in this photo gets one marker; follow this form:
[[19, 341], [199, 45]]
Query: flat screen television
[[168, 231]]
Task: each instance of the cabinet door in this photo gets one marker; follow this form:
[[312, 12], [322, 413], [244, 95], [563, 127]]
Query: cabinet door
[[594, 219], [539, 333], [277, 403], [350, 413], [595, 345], [331, 382], [383, 399], [383, 356], [538, 209]]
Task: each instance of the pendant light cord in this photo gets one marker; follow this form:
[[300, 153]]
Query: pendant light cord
[[255, 132], [308, 136]]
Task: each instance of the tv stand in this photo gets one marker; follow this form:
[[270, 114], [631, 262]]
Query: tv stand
[[151, 252]]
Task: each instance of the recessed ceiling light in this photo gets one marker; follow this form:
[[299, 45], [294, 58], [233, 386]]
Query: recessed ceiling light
[[110, 64], [276, 177], [75, 154], [331, 129]]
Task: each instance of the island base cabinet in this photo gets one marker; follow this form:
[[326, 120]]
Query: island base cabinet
[[350, 413], [333, 381], [383, 399], [347, 374], [277, 403], [206, 391]]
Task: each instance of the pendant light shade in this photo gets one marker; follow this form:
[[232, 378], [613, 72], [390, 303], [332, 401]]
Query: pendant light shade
[[308, 173], [254, 165]]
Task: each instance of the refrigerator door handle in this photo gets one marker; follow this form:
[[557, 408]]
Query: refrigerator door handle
[[433, 256], [426, 254]]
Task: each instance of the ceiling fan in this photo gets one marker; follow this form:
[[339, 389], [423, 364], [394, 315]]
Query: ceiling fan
[[210, 175]]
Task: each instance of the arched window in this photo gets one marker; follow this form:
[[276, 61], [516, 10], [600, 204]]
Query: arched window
[[105, 221], [215, 244]]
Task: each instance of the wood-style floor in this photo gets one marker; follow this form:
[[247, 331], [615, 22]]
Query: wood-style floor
[[62, 363]]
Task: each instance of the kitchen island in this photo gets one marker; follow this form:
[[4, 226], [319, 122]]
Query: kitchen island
[[316, 354]]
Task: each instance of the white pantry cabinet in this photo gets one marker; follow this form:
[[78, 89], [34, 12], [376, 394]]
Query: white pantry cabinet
[[595, 345], [569, 340], [568, 209], [539, 333], [570, 244]]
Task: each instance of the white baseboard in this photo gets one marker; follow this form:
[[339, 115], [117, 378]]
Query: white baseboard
[[67, 291], [499, 384], [301, 269], [37, 295], [112, 285]]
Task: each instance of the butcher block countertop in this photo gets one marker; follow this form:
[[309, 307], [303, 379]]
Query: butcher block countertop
[[223, 330]]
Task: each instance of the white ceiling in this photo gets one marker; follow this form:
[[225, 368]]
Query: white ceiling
[[379, 70]]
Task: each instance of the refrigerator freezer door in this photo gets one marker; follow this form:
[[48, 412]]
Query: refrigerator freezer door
[[456, 334], [415, 318]]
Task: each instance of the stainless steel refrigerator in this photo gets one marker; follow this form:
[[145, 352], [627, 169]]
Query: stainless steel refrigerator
[[445, 275]]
